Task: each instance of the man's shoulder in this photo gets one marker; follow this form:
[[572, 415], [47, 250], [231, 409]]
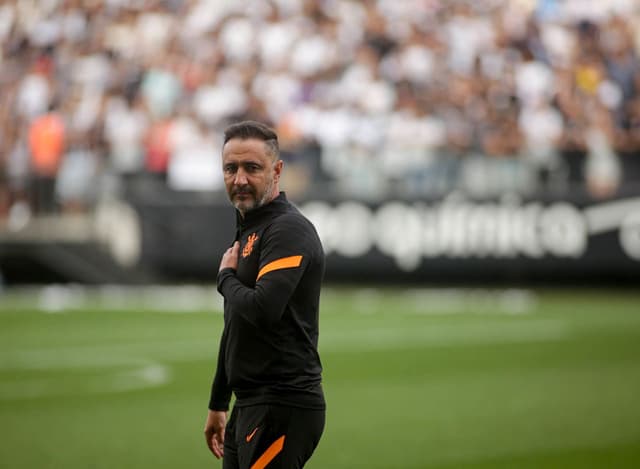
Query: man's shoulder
[[293, 218], [291, 231], [293, 222]]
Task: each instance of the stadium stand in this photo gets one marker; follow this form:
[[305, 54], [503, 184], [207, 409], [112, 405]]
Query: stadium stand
[[372, 99]]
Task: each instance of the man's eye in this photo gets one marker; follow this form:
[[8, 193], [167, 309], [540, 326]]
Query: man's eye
[[229, 169]]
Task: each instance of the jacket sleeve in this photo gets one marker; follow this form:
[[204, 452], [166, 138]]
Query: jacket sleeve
[[220, 389], [284, 256]]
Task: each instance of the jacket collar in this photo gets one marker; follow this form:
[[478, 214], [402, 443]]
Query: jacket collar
[[277, 205]]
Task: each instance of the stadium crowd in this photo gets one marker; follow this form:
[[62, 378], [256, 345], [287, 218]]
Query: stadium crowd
[[370, 98]]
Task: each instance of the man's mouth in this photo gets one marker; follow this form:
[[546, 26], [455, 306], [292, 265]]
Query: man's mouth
[[242, 193]]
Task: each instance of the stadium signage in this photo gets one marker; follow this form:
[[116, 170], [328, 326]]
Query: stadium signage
[[456, 228]]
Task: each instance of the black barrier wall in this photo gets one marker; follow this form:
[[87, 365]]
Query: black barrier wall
[[454, 239]]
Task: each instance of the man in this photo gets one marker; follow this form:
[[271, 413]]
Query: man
[[270, 279]]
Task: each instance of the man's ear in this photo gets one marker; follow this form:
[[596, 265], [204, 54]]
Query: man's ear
[[277, 168]]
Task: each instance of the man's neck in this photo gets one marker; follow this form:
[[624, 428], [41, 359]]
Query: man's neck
[[274, 197]]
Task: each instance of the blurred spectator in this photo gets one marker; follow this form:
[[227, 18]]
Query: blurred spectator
[[77, 182], [125, 127], [46, 146], [602, 166], [193, 149], [34, 94], [158, 147], [542, 127], [161, 89], [16, 165]]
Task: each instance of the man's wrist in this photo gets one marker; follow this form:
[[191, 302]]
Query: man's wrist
[[223, 275], [218, 407], [227, 269]]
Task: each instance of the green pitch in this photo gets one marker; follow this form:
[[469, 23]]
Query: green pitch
[[414, 379]]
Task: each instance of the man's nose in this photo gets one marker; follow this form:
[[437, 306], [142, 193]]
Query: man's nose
[[241, 177]]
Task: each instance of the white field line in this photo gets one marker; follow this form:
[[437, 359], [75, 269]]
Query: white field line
[[104, 374], [64, 298], [446, 335], [442, 301], [194, 298], [148, 376], [106, 355]]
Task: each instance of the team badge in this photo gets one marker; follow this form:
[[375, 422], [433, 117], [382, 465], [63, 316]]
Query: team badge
[[248, 248]]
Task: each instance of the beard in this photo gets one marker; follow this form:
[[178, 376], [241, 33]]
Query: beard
[[253, 199]]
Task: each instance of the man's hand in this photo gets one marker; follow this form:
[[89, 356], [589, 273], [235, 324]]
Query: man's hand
[[214, 432], [230, 257]]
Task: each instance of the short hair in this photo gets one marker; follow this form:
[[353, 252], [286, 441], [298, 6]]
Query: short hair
[[246, 130]]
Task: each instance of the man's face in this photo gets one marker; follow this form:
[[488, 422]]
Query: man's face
[[251, 174]]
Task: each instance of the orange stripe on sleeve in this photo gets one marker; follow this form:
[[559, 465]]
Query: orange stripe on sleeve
[[283, 263], [271, 452]]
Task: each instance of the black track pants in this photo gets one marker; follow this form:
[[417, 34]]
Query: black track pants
[[271, 436]]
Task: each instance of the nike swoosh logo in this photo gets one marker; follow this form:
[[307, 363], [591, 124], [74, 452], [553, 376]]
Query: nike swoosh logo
[[251, 435]]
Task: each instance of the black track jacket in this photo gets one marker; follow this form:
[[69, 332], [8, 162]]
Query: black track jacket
[[269, 347]]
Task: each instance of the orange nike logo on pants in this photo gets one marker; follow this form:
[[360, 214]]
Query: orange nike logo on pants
[[251, 435]]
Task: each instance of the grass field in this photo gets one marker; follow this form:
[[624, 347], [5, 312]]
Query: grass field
[[413, 379]]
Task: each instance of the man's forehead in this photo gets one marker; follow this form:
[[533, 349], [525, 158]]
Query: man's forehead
[[245, 148]]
